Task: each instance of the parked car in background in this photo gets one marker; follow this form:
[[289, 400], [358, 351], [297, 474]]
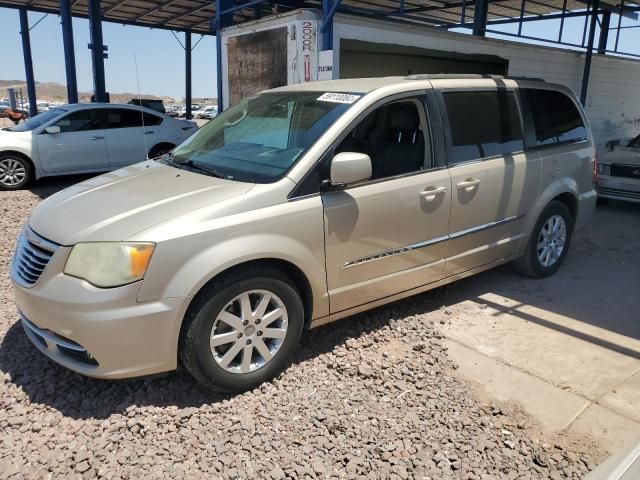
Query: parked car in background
[[208, 112], [297, 207], [85, 137], [619, 173], [153, 104]]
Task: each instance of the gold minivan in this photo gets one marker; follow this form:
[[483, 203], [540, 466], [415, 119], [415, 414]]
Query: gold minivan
[[294, 208]]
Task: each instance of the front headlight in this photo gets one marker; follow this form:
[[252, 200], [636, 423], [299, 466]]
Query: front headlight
[[109, 264], [604, 169]]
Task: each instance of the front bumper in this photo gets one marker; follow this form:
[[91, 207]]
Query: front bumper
[[102, 333], [619, 188]]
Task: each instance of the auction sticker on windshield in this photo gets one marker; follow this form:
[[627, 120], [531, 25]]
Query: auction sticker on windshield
[[338, 97]]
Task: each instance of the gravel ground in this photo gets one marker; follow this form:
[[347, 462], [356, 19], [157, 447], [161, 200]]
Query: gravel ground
[[374, 396]]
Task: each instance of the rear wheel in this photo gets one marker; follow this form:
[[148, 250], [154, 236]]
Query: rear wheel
[[242, 329], [16, 172], [160, 150], [549, 242]]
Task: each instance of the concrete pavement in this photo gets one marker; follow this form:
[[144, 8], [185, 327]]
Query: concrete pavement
[[566, 348]]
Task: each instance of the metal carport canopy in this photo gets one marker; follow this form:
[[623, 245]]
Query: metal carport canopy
[[195, 15]]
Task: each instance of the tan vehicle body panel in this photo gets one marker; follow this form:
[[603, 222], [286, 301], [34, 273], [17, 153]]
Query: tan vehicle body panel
[[359, 247]]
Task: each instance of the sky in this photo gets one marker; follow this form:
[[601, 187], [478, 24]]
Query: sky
[[159, 55], [161, 58]]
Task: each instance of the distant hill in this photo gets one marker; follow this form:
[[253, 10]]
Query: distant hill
[[54, 92]]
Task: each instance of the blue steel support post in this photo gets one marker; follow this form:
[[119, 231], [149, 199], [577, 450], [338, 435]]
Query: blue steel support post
[[187, 73], [587, 61], [327, 25], [223, 19], [480, 14], [28, 62], [329, 8], [97, 50], [605, 22], [69, 51]]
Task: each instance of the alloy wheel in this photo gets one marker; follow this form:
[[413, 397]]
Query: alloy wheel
[[12, 172], [248, 332], [551, 240]]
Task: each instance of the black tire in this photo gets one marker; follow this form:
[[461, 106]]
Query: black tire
[[160, 149], [194, 348], [17, 163], [530, 264]]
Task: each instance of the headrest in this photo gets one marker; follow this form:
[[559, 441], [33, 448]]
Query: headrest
[[404, 116]]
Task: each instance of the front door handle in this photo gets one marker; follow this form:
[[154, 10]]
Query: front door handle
[[430, 193], [469, 184], [148, 132], [97, 137]]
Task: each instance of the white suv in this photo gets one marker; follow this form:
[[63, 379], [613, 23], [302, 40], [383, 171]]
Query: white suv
[[83, 138]]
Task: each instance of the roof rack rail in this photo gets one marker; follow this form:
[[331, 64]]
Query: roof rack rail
[[530, 79], [436, 76], [441, 76]]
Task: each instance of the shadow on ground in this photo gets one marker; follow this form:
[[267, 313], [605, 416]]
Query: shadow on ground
[[83, 397]]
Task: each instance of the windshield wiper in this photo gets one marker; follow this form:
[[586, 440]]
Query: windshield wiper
[[191, 165], [201, 167]]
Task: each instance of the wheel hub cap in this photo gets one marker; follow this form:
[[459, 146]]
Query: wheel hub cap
[[551, 240], [249, 331], [12, 172]]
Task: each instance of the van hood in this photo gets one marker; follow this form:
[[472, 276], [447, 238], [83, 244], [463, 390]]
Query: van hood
[[116, 205]]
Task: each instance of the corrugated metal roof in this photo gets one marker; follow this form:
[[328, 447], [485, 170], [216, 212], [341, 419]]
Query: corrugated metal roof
[[195, 15]]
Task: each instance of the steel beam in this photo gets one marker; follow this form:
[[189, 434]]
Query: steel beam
[[480, 15], [329, 8], [587, 61], [97, 50], [187, 74], [69, 51], [605, 22], [28, 62], [223, 19]]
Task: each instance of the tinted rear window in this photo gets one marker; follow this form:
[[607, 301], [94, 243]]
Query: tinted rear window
[[556, 118], [483, 124]]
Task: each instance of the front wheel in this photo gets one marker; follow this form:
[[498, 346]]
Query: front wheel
[[242, 330], [16, 172], [549, 242]]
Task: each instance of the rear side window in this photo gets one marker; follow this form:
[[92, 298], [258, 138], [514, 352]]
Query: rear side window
[[555, 116], [483, 124], [129, 118]]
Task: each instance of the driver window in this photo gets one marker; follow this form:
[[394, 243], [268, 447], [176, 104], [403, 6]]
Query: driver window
[[80, 121], [395, 138]]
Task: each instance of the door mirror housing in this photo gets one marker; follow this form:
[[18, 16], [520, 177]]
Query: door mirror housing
[[350, 167], [52, 130]]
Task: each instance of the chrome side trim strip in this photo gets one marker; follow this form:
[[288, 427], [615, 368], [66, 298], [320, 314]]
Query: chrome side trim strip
[[427, 243], [394, 252], [486, 226]]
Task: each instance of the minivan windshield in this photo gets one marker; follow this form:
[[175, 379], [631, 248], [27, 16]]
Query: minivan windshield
[[38, 120], [260, 139]]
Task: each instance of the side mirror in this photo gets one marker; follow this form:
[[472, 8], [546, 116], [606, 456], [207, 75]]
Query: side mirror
[[52, 130], [350, 167]]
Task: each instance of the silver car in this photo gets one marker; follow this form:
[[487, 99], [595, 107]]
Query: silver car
[[619, 173], [297, 207]]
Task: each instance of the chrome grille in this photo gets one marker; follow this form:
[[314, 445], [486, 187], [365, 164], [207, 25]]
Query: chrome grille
[[32, 256]]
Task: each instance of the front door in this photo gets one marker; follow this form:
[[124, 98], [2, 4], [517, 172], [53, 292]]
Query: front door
[[388, 235], [79, 146], [494, 182]]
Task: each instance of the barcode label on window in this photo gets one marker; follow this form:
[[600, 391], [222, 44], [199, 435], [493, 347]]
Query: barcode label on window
[[338, 97]]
